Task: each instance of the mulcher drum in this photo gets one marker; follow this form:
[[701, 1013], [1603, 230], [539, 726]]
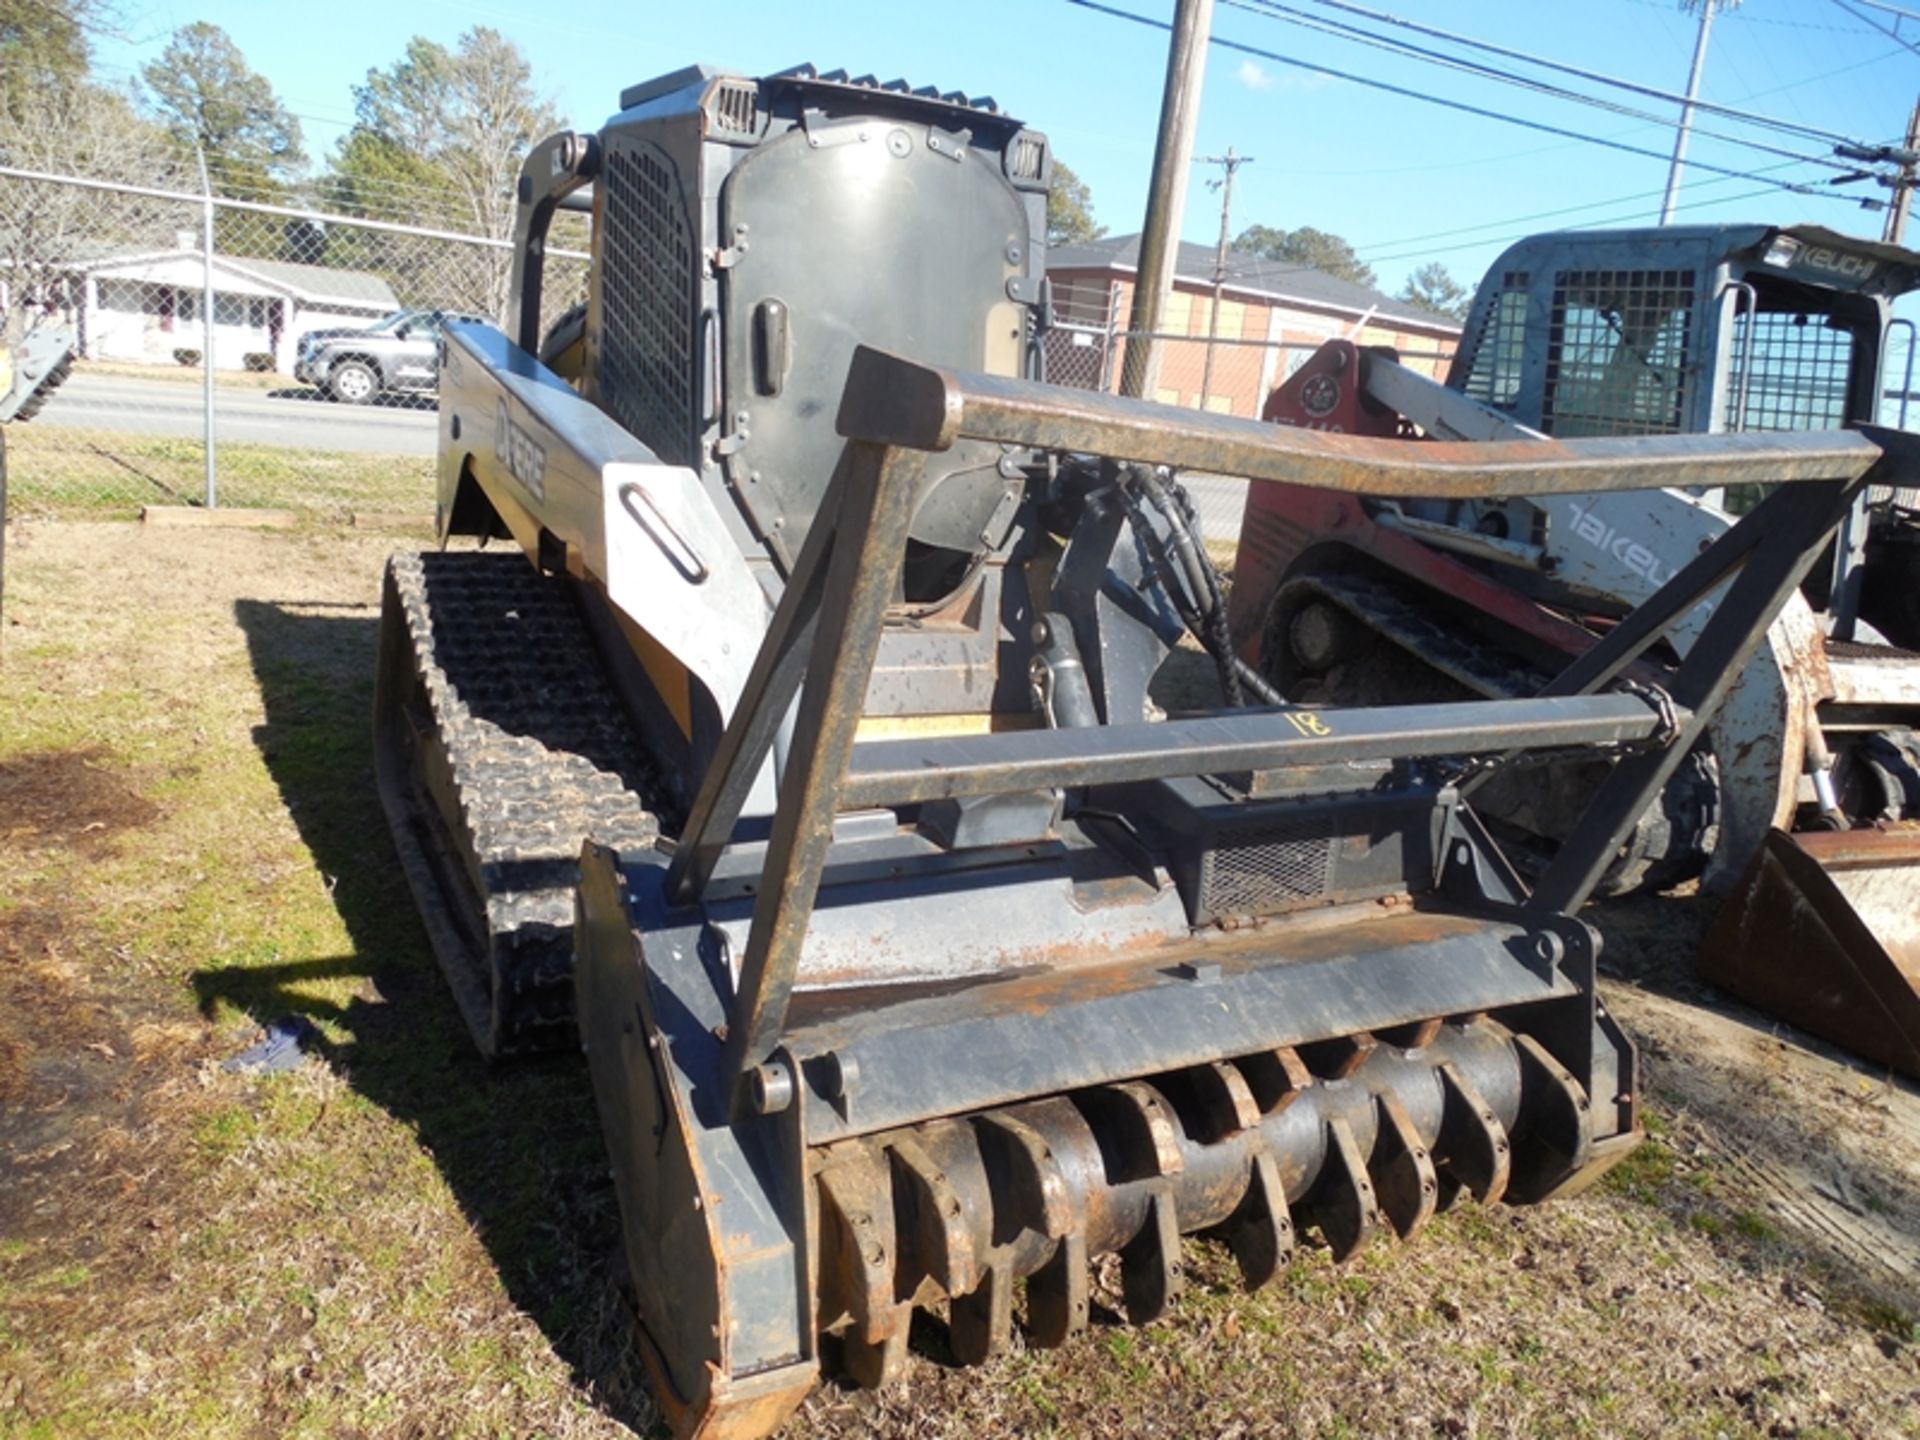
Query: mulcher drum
[[501, 747]]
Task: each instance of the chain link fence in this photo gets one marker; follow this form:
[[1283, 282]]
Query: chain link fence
[[1086, 346], [154, 280]]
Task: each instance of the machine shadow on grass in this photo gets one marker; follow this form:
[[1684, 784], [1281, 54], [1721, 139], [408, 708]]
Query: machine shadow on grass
[[519, 1143]]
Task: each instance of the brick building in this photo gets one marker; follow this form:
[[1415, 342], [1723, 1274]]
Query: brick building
[[1272, 316]]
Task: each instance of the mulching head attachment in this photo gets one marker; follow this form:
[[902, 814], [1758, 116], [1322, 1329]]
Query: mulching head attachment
[[1241, 1151], [975, 1010], [1824, 932], [800, 1231]]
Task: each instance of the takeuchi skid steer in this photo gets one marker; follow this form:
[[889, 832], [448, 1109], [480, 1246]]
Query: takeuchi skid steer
[[919, 957], [1802, 802]]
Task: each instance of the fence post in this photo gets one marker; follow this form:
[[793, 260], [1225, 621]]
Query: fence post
[[1108, 342], [206, 323]]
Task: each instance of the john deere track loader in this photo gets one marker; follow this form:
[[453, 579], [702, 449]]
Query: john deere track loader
[[798, 759], [1801, 801]]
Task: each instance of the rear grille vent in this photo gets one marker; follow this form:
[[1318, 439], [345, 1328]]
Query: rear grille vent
[[1500, 349], [646, 372], [1026, 157], [1259, 871], [732, 106]]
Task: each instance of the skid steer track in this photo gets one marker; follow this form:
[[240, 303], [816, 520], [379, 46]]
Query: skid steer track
[[500, 747]]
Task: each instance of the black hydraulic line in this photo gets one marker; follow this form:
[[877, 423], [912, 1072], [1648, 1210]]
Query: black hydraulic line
[[1249, 677], [1206, 616], [1069, 698]]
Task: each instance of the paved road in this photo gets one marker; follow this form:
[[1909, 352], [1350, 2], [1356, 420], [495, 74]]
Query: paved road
[[292, 416]]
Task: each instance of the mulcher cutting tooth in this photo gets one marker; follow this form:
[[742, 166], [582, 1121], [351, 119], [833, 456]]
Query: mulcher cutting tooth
[[1474, 1151], [980, 1323], [1343, 1206], [857, 1239], [1260, 1230], [1054, 1202], [1151, 1275], [1554, 1126], [1404, 1181], [936, 1226]]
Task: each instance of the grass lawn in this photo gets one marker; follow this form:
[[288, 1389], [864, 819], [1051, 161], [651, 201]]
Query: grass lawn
[[67, 472], [183, 374], [397, 1240]]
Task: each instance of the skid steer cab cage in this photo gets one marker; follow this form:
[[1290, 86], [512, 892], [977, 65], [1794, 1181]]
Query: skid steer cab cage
[[800, 1165], [895, 412]]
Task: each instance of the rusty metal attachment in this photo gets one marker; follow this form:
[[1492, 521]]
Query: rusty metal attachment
[[1363, 1138], [1823, 932], [806, 1161]]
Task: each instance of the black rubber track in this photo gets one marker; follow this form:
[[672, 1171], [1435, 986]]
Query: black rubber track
[[500, 747]]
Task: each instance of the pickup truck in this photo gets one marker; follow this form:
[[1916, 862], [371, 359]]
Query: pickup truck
[[399, 354]]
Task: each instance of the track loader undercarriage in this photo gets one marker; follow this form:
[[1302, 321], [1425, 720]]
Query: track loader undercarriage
[[918, 958]]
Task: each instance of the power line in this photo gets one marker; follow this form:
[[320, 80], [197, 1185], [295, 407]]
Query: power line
[[1891, 9], [1666, 6], [1602, 222], [136, 73], [1272, 10], [1370, 253], [1428, 166], [1482, 112], [1511, 220], [1510, 235], [1650, 91], [1892, 32]]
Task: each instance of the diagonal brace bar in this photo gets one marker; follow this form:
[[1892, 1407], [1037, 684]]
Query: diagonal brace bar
[[765, 699], [1657, 614], [1800, 519], [859, 568]]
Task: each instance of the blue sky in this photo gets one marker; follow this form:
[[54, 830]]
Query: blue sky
[[1402, 179]]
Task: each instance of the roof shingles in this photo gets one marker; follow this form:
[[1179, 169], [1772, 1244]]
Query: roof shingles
[[320, 284]]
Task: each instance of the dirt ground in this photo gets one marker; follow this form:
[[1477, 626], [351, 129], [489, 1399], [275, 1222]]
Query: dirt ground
[[395, 1240]]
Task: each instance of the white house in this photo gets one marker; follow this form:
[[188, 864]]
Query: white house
[[145, 306]]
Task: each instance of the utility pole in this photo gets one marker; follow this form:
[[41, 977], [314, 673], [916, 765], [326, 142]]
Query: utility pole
[[1229, 162], [1674, 171], [1896, 230], [1167, 191]]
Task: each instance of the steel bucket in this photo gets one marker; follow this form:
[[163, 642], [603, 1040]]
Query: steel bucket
[[1824, 932]]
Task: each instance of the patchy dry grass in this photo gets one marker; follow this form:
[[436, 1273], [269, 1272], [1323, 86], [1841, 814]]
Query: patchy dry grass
[[58, 471], [395, 1240], [183, 374]]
